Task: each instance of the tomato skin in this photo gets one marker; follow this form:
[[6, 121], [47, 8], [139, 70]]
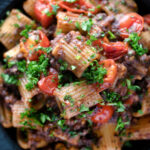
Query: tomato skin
[[103, 114], [48, 84], [147, 19], [72, 6], [131, 22], [115, 50], [111, 67], [44, 41], [26, 46], [39, 7]]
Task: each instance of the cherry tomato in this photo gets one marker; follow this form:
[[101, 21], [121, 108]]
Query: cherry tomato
[[48, 84], [147, 19], [115, 50], [103, 114], [44, 41], [111, 67], [79, 3], [43, 12], [28, 47], [129, 23]]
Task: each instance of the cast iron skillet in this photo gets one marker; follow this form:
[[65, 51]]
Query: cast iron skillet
[[8, 136]]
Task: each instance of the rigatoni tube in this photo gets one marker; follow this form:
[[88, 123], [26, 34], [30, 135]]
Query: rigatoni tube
[[67, 21], [11, 28], [73, 98], [74, 50], [33, 98]]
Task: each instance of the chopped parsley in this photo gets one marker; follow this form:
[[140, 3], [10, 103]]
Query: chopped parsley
[[34, 70], [69, 98], [132, 87], [133, 40], [111, 35], [92, 38], [95, 73], [54, 10], [77, 24], [83, 108], [34, 117], [45, 49], [87, 25], [61, 124], [25, 32], [10, 79], [121, 125], [21, 65], [113, 99]]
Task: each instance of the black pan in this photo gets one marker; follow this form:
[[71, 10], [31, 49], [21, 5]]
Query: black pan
[[8, 136]]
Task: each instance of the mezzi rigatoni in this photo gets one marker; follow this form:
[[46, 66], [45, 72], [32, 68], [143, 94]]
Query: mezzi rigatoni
[[28, 6], [74, 50], [67, 21], [12, 53], [17, 120], [11, 28], [79, 95], [25, 142], [32, 98], [5, 116], [108, 139]]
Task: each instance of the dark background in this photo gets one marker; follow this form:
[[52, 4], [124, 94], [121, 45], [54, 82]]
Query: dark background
[[8, 136]]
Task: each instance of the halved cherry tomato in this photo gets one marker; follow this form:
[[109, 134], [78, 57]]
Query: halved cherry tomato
[[28, 47], [99, 42], [43, 12], [147, 19], [129, 23], [111, 67], [48, 84], [79, 6], [103, 114], [115, 50]]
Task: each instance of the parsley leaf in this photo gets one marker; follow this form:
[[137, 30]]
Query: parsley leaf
[[26, 31], [61, 124], [83, 108], [87, 25], [21, 65], [133, 40], [132, 87], [114, 100], [95, 73], [121, 125], [10, 79], [34, 116], [34, 70]]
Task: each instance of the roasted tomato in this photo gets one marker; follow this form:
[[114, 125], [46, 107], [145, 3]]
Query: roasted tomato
[[48, 84], [44, 12], [129, 23], [30, 47], [103, 114], [79, 6], [147, 19], [111, 67], [115, 50]]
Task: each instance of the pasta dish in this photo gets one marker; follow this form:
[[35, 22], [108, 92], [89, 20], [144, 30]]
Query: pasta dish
[[75, 74]]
